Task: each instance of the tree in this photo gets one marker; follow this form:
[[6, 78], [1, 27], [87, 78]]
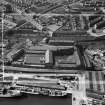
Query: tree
[[8, 8], [9, 33]]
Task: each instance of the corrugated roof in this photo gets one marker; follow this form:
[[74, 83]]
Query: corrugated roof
[[95, 82]]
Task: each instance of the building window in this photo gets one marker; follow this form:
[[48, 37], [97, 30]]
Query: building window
[[42, 60]]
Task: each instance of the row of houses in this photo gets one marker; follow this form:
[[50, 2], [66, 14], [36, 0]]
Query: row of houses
[[97, 20], [74, 27]]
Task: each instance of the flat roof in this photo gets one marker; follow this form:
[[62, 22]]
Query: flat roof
[[68, 60], [33, 58]]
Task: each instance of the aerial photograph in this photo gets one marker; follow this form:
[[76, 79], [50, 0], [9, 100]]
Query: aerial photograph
[[52, 52]]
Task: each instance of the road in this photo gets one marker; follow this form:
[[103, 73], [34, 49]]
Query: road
[[36, 70], [28, 18], [80, 95], [97, 34]]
